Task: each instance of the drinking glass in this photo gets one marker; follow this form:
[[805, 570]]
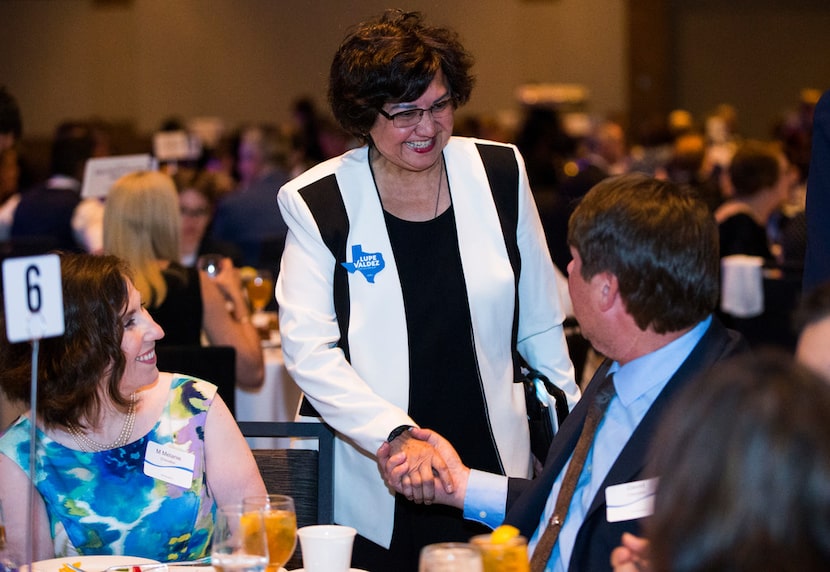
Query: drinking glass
[[507, 556], [210, 263], [260, 289], [280, 522], [2, 530], [6, 565], [239, 540], [450, 557]]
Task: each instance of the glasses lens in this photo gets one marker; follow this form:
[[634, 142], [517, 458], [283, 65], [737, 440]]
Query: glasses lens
[[407, 118], [413, 116]]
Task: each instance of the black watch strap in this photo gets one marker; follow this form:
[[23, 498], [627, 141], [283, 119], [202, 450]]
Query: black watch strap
[[397, 431]]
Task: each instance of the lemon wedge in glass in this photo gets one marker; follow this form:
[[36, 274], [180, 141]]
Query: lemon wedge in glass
[[504, 533]]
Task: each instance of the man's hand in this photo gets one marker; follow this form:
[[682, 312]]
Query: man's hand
[[631, 555], [403, 467]]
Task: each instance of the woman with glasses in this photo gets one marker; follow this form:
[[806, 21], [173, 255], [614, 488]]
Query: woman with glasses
[[401, 302], [198, 195]]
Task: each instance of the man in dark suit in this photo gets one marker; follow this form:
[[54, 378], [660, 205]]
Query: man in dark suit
[[46, 217], [644, 284]]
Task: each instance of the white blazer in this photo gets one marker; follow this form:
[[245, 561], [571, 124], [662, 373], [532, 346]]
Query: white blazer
[[363, 400]]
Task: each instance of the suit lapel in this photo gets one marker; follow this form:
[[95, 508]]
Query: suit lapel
[[631, 463]]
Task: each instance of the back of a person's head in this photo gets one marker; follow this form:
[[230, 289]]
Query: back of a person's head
[[142, 225], [72, 145], [743, 458], [266, 142], [688, 154], [755, 166], [11, 121], [659, 240]]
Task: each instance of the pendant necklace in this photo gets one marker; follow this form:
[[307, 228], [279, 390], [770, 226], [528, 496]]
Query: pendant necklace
[[440, 180]]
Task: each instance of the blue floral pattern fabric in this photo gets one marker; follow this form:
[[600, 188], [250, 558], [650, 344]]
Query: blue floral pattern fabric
[[104, 503]]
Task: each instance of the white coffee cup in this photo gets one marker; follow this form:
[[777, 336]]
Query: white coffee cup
[[326, 547]]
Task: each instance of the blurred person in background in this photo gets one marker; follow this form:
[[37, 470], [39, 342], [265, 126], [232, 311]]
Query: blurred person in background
[[142, 225], [247, 216], [812, 322], [52, 215], [760, 181], [11, 129], [198, 194]]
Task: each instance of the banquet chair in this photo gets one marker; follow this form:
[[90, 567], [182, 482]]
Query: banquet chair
[[306, 475], [216, 364]]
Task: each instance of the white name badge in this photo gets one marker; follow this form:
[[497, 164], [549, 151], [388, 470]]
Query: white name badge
[[171, 465], [630, 501]]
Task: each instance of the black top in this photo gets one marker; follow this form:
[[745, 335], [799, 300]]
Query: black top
[[740, 234], [445, 392], [180, 315]]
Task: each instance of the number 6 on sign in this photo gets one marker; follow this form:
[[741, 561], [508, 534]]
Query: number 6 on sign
[[33, 297]]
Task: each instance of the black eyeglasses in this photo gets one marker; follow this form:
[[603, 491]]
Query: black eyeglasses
[[412, 117]]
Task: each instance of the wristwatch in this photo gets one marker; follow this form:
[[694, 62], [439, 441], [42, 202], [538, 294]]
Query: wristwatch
[[397, 431]]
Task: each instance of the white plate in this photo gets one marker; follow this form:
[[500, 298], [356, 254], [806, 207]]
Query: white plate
[[90, 563], [350, 570]]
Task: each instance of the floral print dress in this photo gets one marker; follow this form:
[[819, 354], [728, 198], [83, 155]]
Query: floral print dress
[[106, 503]]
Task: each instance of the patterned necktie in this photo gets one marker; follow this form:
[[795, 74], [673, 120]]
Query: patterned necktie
[[545, 545]]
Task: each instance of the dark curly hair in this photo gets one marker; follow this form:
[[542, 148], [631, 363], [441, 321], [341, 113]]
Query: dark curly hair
[[393, 58], [72, 367], [659, 240]]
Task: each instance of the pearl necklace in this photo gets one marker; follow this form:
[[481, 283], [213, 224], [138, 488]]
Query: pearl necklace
[[88, 445]]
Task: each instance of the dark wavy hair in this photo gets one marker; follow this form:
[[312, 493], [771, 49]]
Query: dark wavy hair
[[659, 240], [393, 58], [743, 457], [73, 367]]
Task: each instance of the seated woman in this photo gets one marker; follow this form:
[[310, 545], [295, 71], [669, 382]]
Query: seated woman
[[105, 418], [198, 194], [142, 226], [759, 179]]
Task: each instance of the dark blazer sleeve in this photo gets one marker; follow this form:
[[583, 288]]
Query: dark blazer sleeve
[[526, 499], [817, 261], [597, 537]]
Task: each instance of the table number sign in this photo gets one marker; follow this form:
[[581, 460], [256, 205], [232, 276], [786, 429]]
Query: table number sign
[[101, 172], [33, 297]]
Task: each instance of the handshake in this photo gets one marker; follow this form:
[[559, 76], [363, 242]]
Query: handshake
[[424, 467]]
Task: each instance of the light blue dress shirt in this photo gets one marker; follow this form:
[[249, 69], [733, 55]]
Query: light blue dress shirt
[[637, 384]]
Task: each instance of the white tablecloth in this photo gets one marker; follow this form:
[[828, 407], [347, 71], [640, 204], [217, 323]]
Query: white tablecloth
[[276, 400]]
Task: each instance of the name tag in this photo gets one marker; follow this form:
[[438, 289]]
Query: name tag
[[168, 464], [629, 501]]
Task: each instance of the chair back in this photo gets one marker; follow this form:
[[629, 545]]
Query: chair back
[[306, 475], [216, 364]]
